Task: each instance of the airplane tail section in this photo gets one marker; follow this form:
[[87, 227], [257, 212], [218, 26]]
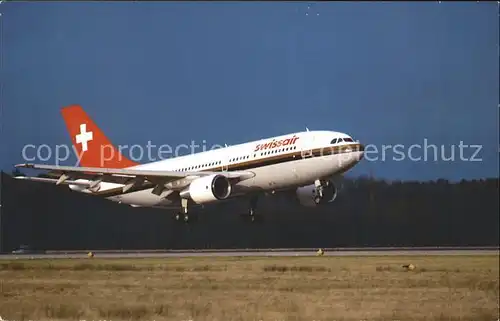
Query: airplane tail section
[[93, 148]]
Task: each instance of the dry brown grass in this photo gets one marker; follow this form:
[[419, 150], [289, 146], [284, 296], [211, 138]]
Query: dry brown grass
[[312, 288]]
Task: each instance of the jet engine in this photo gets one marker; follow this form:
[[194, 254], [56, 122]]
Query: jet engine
[[208, 189], [310, 195]]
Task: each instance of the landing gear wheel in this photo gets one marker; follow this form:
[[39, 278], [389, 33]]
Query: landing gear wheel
[[252, 209], [256, 219], [183, 214]]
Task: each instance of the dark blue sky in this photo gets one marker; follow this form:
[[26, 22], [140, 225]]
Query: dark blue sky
[[385, 73]]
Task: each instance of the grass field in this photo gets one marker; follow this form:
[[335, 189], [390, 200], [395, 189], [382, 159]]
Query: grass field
[[300, 288]]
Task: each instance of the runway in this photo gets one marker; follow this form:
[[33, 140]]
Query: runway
[[257, 253]]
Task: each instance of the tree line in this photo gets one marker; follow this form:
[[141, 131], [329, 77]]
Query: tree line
[[367, 212]]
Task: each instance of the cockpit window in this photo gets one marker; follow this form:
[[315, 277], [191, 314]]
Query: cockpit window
[[340, 140]]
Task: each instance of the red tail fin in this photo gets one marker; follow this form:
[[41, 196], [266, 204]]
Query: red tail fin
[[93, 148]]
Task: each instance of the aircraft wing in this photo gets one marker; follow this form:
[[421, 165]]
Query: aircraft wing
[[131, 178]]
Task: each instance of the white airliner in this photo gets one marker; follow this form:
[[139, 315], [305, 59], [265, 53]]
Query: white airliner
[[305, 162]]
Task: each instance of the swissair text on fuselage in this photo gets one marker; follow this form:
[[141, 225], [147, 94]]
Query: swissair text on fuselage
[[277, 143]]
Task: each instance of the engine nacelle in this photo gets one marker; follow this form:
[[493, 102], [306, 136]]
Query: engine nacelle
[[208, 189], [309, 196]]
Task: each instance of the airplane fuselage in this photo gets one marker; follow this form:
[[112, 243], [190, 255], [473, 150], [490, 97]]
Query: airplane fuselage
[[278, 163]]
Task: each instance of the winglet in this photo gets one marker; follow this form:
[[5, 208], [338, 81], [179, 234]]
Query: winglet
[[93, 148]]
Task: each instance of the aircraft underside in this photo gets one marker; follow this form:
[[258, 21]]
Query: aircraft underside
[[312, 180]]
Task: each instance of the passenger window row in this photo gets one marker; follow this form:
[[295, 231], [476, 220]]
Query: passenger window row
[[232, 160], [278, 150], [198, 166]]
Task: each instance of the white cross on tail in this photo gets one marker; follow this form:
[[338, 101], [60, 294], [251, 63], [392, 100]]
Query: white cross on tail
[[84, 137]]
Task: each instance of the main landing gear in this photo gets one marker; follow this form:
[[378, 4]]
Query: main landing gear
[[184, 213], [252, 210], [251, 215]]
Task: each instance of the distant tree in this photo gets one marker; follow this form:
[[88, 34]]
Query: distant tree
[[368, 212]]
